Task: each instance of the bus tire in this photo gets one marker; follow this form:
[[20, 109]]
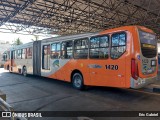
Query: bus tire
[[77, 81], [24, 71], [9, 69]]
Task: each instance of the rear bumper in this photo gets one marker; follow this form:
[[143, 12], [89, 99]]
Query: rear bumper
[[142, 82]]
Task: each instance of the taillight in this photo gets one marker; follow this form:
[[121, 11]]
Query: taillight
[[134, 69]]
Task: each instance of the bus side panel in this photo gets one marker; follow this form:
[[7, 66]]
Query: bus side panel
[[104, 73], [7, 64], [66, 68], [82, 66], [13, 66], [59, 69], [98, 77], [18, 65]]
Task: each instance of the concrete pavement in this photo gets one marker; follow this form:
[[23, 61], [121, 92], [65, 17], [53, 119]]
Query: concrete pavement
[[42, 94]]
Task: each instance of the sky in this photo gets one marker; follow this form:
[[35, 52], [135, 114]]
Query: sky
[[11, 37], [7, 35]]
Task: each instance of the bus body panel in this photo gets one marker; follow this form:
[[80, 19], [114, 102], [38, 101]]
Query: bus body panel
[[97, 72], [99, 76], [56, 65], [17, 63]]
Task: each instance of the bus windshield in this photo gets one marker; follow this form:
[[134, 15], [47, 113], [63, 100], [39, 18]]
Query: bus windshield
[[148, 44]]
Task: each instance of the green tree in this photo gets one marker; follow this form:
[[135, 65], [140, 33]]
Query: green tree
[[17, 42]]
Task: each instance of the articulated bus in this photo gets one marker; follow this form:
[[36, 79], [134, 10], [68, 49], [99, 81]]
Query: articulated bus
[[124, 57]]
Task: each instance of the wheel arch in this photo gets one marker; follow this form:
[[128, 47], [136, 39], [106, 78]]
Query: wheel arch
[[76, 71], [8, 66], [24, 66]]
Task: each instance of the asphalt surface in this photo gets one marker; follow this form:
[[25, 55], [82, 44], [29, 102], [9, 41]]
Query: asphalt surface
[[35, 94]]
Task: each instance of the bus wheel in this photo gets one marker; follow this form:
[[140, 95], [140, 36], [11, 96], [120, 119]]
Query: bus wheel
[[24, 72], [9, 69], [77, 81]]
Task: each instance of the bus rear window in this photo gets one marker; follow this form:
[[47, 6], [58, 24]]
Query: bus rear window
[[147, 38], [148, 44]]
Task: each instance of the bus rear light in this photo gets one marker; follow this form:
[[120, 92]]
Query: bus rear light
[[134, 69]]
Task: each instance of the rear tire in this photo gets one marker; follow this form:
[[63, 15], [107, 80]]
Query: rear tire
[[77, 81], [9, 69], [24, 72]]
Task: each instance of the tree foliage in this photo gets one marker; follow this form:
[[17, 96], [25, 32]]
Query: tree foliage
[[18, 42]]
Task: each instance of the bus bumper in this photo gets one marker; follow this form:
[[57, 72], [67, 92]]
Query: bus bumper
[[140, 83]]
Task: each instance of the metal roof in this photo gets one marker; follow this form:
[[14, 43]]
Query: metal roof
[[77, 16]]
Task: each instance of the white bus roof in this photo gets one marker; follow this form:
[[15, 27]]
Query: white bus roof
[[68, 37]]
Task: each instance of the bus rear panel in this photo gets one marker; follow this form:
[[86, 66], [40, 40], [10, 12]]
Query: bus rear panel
[[144, 63]]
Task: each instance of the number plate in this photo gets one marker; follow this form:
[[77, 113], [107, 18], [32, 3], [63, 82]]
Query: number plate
[[112, 67]]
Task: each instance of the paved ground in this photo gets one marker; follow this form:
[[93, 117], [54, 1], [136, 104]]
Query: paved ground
[[41, 94]]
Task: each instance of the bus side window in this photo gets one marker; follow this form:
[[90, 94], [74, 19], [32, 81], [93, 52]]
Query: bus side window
[[81, 48], [29, 53], [23, 53], [19, 54], [67, 50], [55, 51], [8, 55], [99, 47], [4, 57], [118, 42]]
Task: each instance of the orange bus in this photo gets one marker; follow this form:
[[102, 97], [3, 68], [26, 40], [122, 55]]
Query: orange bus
[[124, 57]]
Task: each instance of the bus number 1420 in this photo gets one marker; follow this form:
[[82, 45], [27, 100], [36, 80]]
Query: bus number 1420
[[112, 67]]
